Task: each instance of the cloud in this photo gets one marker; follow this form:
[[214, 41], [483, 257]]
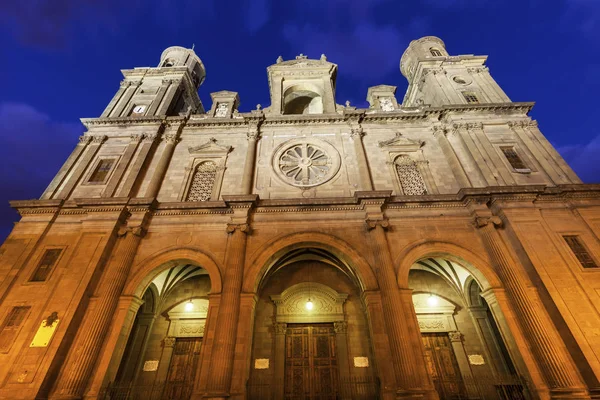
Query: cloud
[[32, 149], [256, 14], [583, 159]]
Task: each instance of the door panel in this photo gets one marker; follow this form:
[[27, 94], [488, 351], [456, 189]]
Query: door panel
[[442, 366], [310, 363], [182, 369]]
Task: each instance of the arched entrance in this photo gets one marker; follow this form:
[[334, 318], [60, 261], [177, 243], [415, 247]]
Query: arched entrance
[[465, 340], [159, 353], [311, 335]]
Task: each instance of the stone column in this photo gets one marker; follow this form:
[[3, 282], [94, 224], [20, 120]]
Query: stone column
[[474, 149], [121, 167], [223, 351], [161, 168], [407, 382], [82, 165], [455, 164], [137, 165], [341, 344], [82, 356], [553, 155], [168, 98], [253, 135], [279, 359], [122, 87], [456, 341], [364, 172], [67, 166], [547, 347], [124, 100]]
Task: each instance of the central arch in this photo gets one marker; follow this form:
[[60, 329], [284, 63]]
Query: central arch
[[310, 323], [272, 251]]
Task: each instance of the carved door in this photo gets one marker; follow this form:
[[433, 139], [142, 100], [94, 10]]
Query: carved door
[[442, 366], [310, 363], [182, 369]]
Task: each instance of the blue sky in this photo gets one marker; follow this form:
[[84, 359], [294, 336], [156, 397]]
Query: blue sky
[[61, 61]]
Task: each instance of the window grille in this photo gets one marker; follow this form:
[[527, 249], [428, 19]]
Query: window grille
[[577, 247], [435, 52], [513, 158], [410, 178], [11, 325], [102, 169], [45, 266], [202, 182], [471, 97]]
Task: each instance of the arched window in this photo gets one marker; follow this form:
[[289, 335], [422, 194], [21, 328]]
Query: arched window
[[435, 52], [203, 182], [410, 178], [302, 99], [169, 62]]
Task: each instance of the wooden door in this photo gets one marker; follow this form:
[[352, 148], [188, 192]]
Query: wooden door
[[310, 363], [442, 366], [182, 369]]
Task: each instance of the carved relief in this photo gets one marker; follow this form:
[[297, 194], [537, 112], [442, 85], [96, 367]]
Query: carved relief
[[221, 110], [328, 304]]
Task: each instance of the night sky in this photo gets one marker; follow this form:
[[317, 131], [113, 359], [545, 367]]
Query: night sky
[[61, 61]]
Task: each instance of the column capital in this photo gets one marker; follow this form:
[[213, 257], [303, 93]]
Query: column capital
[[149, 137], [99, 139], [340, 327], [280, 328], [357, 133], [171, 138], [85, 139], [373, 223], [480, 222], [455, 336], [169, 341], [136, 137], [244, 228], [135, 230]]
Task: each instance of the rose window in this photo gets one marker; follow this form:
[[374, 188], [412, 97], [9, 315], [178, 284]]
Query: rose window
[[305, 165]]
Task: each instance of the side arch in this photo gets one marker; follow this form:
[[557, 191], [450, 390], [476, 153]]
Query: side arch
[[476, 265], [147, 269], [273, 250]]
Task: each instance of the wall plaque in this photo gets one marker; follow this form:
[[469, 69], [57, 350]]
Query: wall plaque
[[361, 362], [151, 365], [44, 333], [261, 363], [476, 359]]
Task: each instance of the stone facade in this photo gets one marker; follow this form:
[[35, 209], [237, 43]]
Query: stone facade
[[446, 219]]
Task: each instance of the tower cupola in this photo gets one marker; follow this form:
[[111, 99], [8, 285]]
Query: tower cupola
[[177, 56]]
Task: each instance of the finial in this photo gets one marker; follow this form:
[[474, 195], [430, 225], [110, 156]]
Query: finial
[[323, 57], [301, 57], [258, 107], [193, 45], [279, 59], [347, 103]]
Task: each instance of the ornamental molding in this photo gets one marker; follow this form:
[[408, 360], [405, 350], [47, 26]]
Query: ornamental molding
[[401, 143], [85, 139], [305, 162], [291, 304], [210, 147]]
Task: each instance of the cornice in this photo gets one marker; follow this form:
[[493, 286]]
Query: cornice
[[150, 120], [537, 194]]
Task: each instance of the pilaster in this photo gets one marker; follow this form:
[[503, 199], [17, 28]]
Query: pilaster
[[549, 351]]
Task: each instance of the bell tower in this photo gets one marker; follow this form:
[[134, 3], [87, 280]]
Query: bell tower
[[169, 89], [302, 86], [436, 78]]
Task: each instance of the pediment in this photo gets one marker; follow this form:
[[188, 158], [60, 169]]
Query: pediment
[[400, 142], [210, 147]]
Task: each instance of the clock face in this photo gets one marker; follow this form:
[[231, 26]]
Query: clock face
[[139, 109]]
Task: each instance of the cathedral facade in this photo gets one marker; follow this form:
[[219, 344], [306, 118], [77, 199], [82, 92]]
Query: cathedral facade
[[435, 246]]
